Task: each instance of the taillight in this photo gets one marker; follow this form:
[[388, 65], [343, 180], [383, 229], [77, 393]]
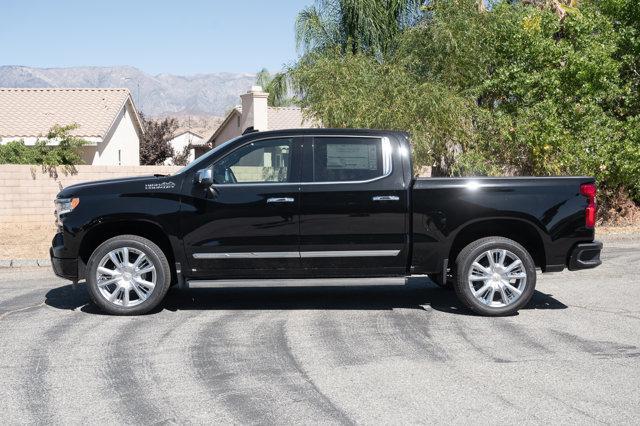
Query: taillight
[[589, 190]]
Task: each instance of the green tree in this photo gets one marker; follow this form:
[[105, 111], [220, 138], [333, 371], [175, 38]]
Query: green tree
[[355, 90], [182, 158]]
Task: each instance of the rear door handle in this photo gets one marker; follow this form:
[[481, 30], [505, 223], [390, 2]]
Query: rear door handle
[[280, 200], [386, 198]]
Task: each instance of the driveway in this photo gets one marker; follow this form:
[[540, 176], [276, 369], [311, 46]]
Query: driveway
[[390, 354]]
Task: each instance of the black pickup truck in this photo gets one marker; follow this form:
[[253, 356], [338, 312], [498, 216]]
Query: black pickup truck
[[336, 205]]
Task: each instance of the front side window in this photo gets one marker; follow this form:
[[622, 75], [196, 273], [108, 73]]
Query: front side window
[[338, 159], [258, 162]]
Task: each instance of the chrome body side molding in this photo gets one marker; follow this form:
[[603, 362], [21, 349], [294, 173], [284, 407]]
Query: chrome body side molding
[[349, 253], [301, 254], [248, 255]]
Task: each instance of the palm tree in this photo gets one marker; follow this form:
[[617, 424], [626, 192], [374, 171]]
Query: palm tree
[[369, 26], [277, 86], [357, 26]]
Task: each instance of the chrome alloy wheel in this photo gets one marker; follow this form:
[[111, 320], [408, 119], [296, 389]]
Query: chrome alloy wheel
[[497, 278], [126, 277]]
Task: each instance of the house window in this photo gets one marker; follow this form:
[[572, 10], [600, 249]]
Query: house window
[[238, 120], [119, 157]]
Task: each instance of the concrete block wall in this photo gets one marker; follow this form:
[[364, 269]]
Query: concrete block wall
[[27, 192]]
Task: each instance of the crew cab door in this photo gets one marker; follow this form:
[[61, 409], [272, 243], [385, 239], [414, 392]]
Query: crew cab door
[[353, 212], [247, 223]]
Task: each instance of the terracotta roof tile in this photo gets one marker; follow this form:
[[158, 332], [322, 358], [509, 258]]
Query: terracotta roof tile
[[279, 118], [32, 112]]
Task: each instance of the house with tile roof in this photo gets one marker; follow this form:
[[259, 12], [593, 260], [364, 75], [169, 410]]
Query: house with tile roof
[[185, 139], [255, 114], [106, 118]]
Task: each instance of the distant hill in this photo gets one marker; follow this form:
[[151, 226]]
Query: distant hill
[[162, 94]]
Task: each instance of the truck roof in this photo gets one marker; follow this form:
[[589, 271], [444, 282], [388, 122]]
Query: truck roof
[[331, 131]]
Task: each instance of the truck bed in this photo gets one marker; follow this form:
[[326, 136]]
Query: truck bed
[[447, 212]]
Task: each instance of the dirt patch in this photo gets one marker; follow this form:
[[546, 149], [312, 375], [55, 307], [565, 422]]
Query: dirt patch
[[26, 241], [619, 232]]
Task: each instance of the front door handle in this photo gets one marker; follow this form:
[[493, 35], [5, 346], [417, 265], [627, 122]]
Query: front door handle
[[280, 200], [386, 198]]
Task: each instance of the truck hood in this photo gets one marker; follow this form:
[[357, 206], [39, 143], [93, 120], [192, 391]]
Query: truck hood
[[126, 185]]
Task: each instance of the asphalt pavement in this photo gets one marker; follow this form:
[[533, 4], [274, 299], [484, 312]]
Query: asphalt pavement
[[366, 354]]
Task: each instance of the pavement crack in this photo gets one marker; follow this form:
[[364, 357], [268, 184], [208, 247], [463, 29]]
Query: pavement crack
[[24, 309], [623, 312]]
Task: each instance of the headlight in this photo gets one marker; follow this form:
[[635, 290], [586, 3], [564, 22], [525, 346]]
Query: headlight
[[65, 205]]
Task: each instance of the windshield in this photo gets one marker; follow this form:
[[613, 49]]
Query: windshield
[[203, 159]]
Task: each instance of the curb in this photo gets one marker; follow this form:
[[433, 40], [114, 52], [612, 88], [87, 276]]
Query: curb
[[24, 263]]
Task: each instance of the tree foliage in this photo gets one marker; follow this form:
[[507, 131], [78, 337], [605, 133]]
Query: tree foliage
[[354, 26], [58, 148], [182, 158], [519, 87], [277, 85], [154, 144], [355, 90]]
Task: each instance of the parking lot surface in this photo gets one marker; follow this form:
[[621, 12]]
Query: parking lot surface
[[371, 355]]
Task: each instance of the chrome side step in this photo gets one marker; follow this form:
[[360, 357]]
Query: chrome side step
[[297, 282]]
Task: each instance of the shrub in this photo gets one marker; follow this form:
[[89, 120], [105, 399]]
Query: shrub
[[59, 148]]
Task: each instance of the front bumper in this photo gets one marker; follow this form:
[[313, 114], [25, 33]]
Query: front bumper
[[63, 262], [64, 268], [585, 256]]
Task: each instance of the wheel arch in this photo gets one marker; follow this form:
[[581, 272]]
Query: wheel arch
[[140, 227], [521, 231]]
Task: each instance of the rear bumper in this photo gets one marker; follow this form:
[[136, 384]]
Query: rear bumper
[[585, 256]]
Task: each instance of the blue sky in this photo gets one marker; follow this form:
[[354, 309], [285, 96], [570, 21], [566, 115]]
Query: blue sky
[[178, 37]]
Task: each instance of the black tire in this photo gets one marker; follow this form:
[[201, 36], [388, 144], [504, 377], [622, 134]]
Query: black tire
[[464, 262], [155, 256]]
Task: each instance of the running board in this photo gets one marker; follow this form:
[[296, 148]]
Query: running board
[[297, 282]]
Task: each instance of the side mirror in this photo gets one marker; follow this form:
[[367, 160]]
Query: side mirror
[[204, 177]]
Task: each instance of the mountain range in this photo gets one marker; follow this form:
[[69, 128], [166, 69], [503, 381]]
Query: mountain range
[[155, 95]]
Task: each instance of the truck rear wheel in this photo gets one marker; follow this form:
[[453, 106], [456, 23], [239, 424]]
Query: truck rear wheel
[[128, 275], [495, 276]]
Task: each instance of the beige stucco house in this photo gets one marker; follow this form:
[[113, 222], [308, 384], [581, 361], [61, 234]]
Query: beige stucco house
[[185, 138], [254, 113], [106, 118]]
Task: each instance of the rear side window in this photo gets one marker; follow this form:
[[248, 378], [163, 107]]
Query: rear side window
[[338, 159]]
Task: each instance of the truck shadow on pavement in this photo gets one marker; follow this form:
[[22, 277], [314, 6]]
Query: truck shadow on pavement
[[417, 293]]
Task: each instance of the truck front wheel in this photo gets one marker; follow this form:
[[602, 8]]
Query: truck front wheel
[[495, 276], [128, 275]]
